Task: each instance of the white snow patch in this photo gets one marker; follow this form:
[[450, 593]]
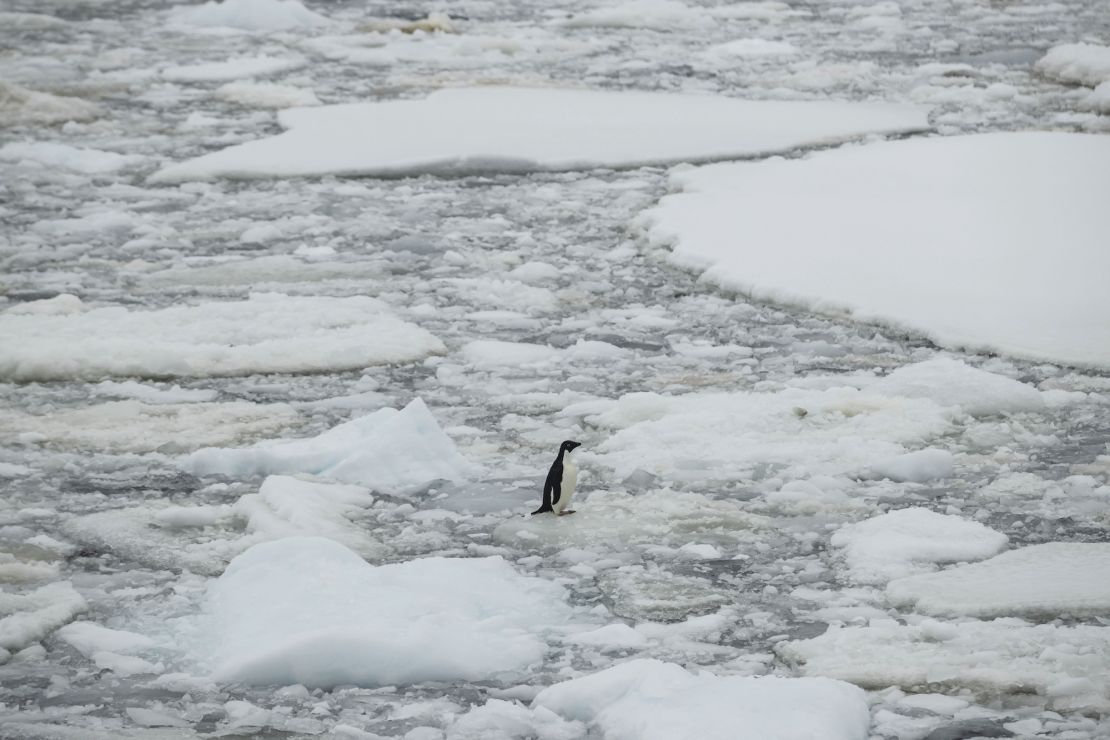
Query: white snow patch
[[68, 158], [233, 69], [1068, 667], [310, 611], [269, 332], [653, 700], [1041, 581], [522, 129], [909, 541], [249, 15], [1083, 64], [917, 467], [981, 213], [388, 451], [134, 426]]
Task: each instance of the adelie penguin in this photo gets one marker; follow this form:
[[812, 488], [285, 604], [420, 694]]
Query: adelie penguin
[[561, 479]]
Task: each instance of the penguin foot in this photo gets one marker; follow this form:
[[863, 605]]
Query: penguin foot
[[566, 511]]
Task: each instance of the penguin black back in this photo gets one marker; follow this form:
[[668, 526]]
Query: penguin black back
[[553, 486]]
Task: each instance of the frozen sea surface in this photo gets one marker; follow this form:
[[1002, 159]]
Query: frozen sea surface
[[732, 449]]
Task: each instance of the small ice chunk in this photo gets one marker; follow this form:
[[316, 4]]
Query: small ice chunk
[[266, 95], [1085, 64], [950, 382], [68, 158], [233, 69], [248, 15], [90, 638], [617, 636], [20, 106], [915, 467], [27, 618]]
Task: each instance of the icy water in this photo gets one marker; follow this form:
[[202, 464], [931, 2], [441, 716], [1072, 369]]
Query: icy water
[[441, 252]]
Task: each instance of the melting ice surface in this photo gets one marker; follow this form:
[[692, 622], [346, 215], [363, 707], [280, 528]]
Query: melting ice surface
[[350, 389]]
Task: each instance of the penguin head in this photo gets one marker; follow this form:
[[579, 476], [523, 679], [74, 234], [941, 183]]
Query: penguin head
[[569, 446]]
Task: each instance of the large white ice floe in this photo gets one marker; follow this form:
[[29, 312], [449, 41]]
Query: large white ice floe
[[653, 700], [389, 450], [269, 332], [29, 617], [1068, 667], [1056, 579], [803, 432], [58, 156], [134, 426], [993, 243], [308, 610], [909, 541], [523, 129], [248, 15]]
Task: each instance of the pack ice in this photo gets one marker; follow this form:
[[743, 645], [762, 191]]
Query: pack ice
[[994, 243], [308, 610], [522, 129], [268, 332]]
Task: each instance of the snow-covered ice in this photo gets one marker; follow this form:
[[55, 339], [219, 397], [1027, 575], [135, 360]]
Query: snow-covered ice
[[65, 157], [1083, 64], [269, 332], [310, 611], [653, 700], [522, 129], [1040, 581], [389, 450], [233, 69], [913, 540], [1065, 667], [27, 618], [1014, 209]]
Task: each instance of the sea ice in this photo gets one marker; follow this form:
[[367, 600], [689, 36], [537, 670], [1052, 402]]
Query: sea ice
[[90, 638], [1066, 666], [1083, 64], [652, 700], [20, 106], [950, 382], [69, 158], [659, 15], [266, 95], [269, 332], [233, 69], [310, 611], [388, 451], [248, 15], [909, 541], [725, 436], [27, 618], [958, 251], [917, 467], [522, 129], [1056, 579], [135, 426]]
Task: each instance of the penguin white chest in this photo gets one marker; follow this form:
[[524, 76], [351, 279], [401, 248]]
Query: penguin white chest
[[570, 480]]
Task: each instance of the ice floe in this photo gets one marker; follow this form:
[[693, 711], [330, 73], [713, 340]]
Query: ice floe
[[389, 450], [233, 69], [1068, 579], [136, 426], [909, 541], [269, 332], [1082, 64], [653, 700], [1066, 667], [523, 129], [957, 252], [310, 611], [951, 382], [917, 467], [27, 618], [801, 432], [266, 95], [659, 15], [58, 156], [248, 15]]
